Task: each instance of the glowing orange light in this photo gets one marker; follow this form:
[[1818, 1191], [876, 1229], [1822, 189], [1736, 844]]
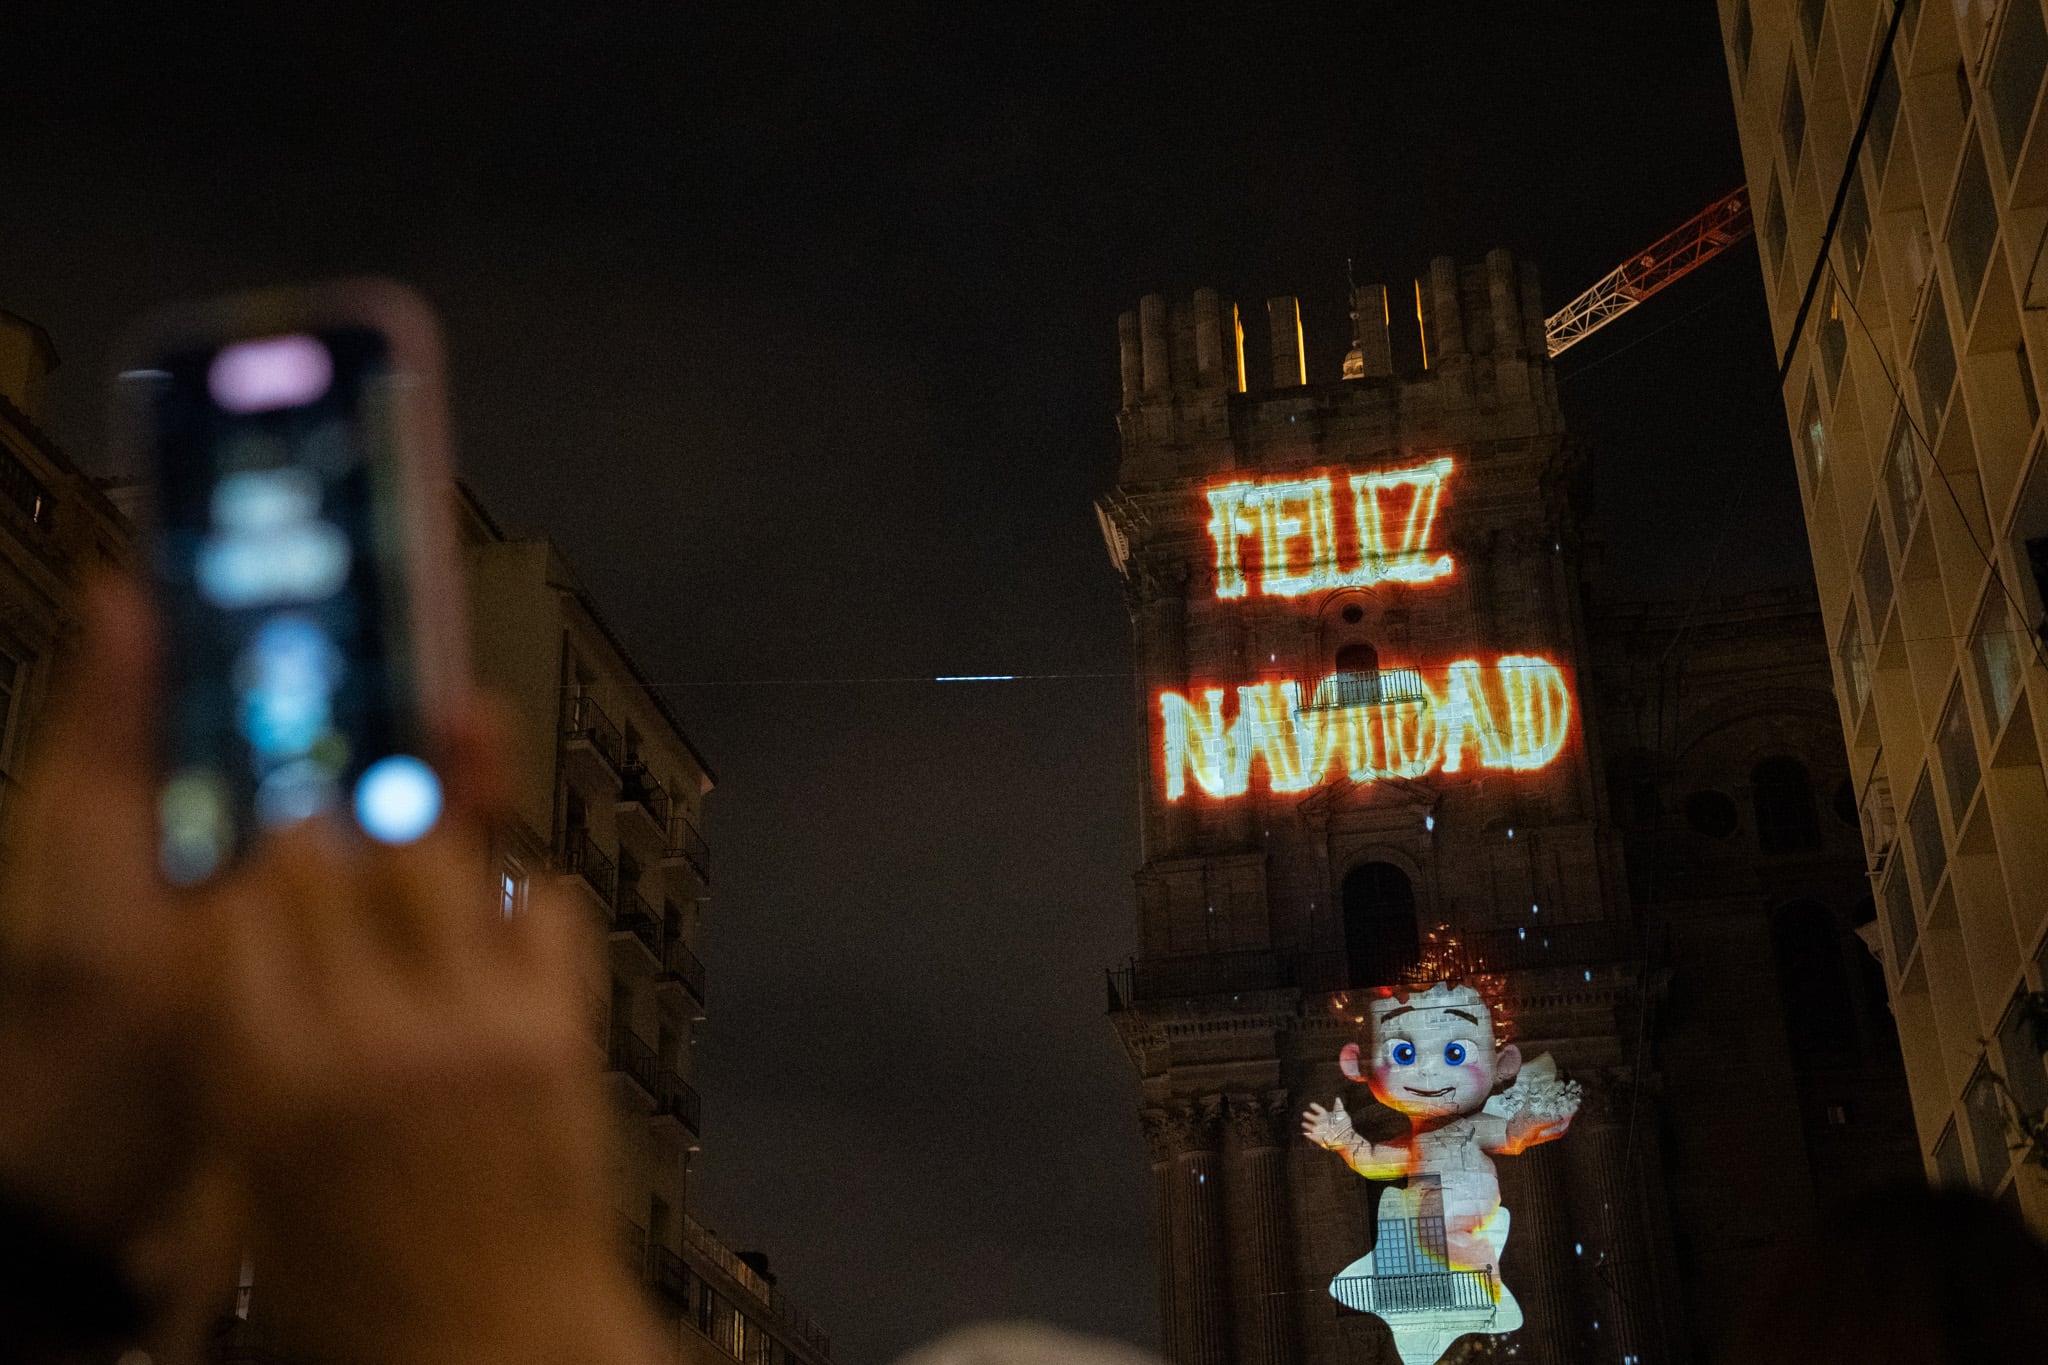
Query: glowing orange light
[[1518, 719], [1393, 515]]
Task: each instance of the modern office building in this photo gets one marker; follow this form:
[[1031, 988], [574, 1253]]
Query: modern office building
[[1381, 728], [1899, 174]]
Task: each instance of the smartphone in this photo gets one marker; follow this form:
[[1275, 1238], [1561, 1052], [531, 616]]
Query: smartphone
[[301, 562]]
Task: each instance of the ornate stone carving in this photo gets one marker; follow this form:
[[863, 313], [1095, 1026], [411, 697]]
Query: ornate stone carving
[[1260, 1120]]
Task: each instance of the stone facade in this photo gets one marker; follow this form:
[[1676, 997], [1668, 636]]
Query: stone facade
[[1259, 908]]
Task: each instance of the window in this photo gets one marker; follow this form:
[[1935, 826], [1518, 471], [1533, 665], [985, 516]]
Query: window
[[1853, 236], [1949, 1172], [1813, 984], [1898, 904], [1884, 120], [511, 888], [1834, 335], [1923, 827], [1902, 485], [12, 674], [1855, 668], [1774, 226], [1997, 650], [1811, 13], [1877, 575], [1792, 120], [1711, 813], [1745, 37], [1380, 938], [2014, 80], [1934, 364], [1986, 1110], [1972, 227], [1782, 798], [2028, 393], [2019, 1040], [1813, 436], [1957, 744]]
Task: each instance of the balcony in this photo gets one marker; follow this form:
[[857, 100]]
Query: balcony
[[1372, 687], [681, 969], [1430, 1291], [676, 1099], [585, 861], [635, 932], [686, 848], [643, 804], [630, 1057], [668, 1276], [592, 741]]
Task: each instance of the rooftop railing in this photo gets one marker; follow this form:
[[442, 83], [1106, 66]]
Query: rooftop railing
[[799, 1323]]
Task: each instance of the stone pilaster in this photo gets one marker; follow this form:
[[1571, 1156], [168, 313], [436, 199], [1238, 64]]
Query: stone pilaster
[[1194, 1286], [1261, 1268], [1611, 1223], [1538, 1264]]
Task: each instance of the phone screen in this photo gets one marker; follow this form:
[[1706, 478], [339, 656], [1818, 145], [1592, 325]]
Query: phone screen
[[280, 564]]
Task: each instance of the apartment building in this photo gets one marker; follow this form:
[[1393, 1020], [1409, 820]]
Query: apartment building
[[1899, 174]]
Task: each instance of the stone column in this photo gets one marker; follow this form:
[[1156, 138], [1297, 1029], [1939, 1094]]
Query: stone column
[[1538, 1263], [1611, 1224], [1194, 1288], [1158, 1127], [1261, 1272]]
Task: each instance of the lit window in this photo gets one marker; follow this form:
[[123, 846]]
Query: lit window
[[511, 889], [1958, 746], [1813, 435], [1997, 649]]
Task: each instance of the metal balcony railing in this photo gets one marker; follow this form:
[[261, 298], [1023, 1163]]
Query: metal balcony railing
[[686, 843], [630, 1055], [677, 1098], [1428, 1291], [586, 860], [635, 916], [633, 1244], [638, 784], [1369, 687], [665, 1271], [587, 722], [679, 963]]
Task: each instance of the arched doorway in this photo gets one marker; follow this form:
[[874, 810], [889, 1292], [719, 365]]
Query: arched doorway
[[1381, 941]]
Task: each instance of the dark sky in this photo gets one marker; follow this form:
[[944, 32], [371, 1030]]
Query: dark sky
[[795, 326]]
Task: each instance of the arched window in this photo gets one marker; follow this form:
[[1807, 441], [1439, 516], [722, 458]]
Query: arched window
[[1813, 984], [1785, 818], [1380, 937], [1358, 657]]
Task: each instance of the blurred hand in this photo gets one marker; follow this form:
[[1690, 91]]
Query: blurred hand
[[1329, 1128], [407, 1081]]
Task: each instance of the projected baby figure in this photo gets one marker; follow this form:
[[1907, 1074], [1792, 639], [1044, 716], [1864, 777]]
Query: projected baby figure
[[1432, 1056]]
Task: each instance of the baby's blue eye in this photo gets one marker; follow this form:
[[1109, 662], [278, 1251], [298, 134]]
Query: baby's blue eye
[[1404, 1054], [1454, 1053]]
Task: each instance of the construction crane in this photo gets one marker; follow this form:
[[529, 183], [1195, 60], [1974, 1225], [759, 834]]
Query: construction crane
[[1670, 258]]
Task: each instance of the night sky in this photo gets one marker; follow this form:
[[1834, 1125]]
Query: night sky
[[795, 327]]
